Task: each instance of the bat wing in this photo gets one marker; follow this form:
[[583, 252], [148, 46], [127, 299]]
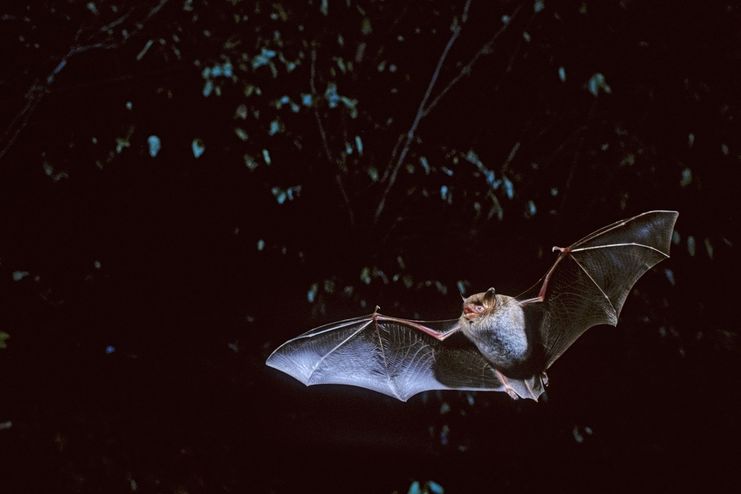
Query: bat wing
[[396, 357], [590, 280]]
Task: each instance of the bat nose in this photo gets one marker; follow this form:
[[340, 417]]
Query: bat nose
[[468, 309]]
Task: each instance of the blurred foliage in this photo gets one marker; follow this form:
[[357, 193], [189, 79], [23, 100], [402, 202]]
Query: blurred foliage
[[187, 183], [429, 487]]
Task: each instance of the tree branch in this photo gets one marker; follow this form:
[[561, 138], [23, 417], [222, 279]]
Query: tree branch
[[37, 90], [421, 110], [486, 49], [425, 108], [323, 134], [315, 96]]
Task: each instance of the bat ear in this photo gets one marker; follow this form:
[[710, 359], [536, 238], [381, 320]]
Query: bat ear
[[489, 296]]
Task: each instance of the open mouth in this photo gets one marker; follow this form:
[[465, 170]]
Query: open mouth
[[469, 310]]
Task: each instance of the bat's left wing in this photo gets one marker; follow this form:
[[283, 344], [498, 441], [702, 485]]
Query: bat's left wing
[[396, 357], [590, 280]]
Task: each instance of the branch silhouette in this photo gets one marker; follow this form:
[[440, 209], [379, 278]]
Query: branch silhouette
[[425, 108]]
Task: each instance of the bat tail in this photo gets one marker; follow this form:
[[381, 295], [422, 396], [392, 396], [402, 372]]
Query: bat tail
[[533, 387]]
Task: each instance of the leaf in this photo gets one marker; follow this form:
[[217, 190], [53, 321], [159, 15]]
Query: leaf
[[275, 127], [686, 177], [264, 58], [461, 285], [330, 94], [509, 189], [50, 172], [122, 143], [145, 49], [311, 293], [365, 27], [473, 158], [597, 83], [280, 195], [19, 275], [434, 487], [250, 162], [241, 112], [154, 144], [198, 147], [670, 276], [208, 88], [241, 133], [283, 195], [365, 275]]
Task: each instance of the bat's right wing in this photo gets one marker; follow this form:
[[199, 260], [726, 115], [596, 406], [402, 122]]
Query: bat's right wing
[[396, 357]]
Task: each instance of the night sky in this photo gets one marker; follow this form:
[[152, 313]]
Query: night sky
[[186, 185]]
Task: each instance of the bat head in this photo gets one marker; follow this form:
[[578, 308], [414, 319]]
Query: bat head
[[479, 304]]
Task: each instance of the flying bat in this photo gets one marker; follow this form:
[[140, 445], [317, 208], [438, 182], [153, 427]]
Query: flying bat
[[499, 343]]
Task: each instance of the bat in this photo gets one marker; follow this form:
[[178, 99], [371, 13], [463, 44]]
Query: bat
[[499, 343]]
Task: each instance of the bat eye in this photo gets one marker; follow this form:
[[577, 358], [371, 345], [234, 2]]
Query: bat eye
[[478, 308]]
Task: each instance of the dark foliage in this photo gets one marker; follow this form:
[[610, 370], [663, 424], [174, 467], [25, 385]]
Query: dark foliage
[[186, 184]]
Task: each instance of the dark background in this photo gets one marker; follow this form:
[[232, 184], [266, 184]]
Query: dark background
[[185, 185]]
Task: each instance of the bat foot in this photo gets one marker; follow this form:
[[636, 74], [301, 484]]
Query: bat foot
[[507, 388], [512, 393]]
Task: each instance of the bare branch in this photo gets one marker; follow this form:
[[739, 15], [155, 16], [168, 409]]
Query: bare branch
[[486, 49], [511, 156], [37, 90], [34, 96], [315, 97], [421, 109], [115, 22], [426, 108], [323, 134], [8, 18], [576, 158]]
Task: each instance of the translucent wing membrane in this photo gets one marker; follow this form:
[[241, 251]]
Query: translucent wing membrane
[[391, 356], [586, 286], [591, 279]]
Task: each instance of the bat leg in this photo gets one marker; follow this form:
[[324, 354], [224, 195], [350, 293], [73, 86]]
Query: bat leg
[[507, 387], [544, 378]]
